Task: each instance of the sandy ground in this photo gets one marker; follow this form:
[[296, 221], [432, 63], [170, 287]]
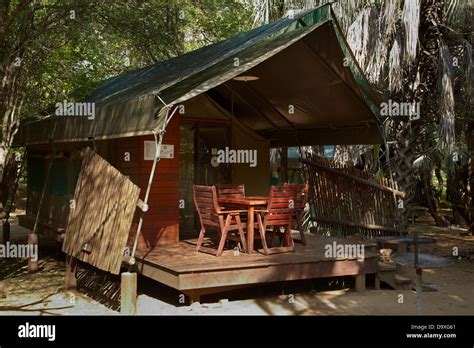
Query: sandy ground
[[98, 293]]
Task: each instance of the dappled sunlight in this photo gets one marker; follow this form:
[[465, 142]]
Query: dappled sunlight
[[314, 303], [43, 306], [41, 293], [457, 298]]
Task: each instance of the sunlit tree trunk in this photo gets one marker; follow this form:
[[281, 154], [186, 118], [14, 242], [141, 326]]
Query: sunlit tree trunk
[[432, 200]]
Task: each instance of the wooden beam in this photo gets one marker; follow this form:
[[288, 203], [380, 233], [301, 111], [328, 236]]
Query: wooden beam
[[157, 273], [276, 273]]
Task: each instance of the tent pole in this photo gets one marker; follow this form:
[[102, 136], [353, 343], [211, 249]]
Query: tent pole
[[6, 224], [158, 141], [43, 192], [33, 237]]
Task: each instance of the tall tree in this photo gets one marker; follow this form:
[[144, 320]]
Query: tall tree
[[55, 50], [411, 51]]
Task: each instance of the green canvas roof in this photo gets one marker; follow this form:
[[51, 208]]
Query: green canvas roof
[[306, 94]]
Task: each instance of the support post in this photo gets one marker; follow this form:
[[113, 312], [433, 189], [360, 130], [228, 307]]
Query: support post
[[33, 243], [419, 292], [360, 282], [194, 296], [128, 293], [70, 276], [377, 282]]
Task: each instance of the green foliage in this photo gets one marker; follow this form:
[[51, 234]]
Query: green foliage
[[212, 21], [101, 39]]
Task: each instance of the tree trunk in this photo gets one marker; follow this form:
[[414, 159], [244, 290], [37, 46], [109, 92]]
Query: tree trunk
[[437, 171], [454, 193], [432, 201], [470, 175]]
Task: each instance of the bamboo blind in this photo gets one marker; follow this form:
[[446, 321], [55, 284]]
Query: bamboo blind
[[99, 223], [350, 201]]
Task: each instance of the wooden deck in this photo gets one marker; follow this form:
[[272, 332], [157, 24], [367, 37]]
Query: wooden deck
[[195, 273]]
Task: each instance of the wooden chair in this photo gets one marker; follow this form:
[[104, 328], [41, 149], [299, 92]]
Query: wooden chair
[[231, 191], [278, 214], [212, 216], [300, 198]]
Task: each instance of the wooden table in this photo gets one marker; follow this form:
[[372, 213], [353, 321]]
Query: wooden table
[[249, 203]]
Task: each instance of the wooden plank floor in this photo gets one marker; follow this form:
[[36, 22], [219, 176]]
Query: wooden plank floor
[[182, 268]]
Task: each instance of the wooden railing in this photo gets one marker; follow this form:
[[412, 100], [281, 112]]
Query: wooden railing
[[348, 201]]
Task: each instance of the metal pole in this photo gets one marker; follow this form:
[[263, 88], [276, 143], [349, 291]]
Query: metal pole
[[419, 292], [158, 142], [419, 283]]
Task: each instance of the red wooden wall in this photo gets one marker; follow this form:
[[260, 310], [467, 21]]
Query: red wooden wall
[[161, 222]]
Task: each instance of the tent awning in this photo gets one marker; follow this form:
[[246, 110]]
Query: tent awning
[[310, 90]]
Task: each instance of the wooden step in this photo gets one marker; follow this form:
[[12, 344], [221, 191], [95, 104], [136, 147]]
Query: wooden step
[[386, 267], [387, 273], [399, 279]]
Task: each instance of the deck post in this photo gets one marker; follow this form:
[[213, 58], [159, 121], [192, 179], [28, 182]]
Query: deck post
[[33, 243], [70, 275], [194, 296], [6, 232], [360, 282], [128, 293], [377, 282]]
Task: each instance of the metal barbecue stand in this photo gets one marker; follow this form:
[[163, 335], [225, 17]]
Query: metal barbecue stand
[[419, 262]]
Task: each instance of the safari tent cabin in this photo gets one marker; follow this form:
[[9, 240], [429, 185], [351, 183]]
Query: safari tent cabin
[[293, 82]]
